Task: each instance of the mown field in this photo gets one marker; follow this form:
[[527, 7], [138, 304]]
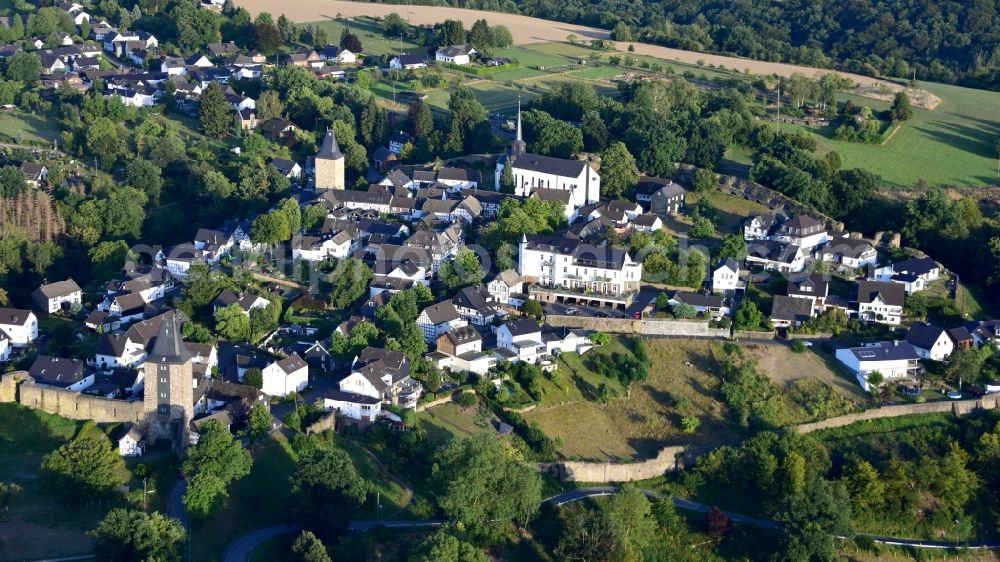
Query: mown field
[[953, 145], [40, 129]]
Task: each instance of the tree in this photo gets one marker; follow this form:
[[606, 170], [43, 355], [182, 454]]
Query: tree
[[813, 519], [267, 37], [748, 316], [506, 177], [733, 246], [351, 42], [254, 377], [705, 180], [271, 228], [618, 170], [442, 546], [532, 308], [145, 175], [328, 491], [259, 422], [479, 35], [487, 485], [501, 37], [719, 524], [586, 536], [310, 548], [864, 484], [126, 535], [268, 105], [104, 140], [683, 310], [8, 491], [463, 270], [901, 109], [23, 67], [232, 323], [350, 283], [85, 468], [631, 521], [393, 25], [214, 111], [621, 32], [212, 464]]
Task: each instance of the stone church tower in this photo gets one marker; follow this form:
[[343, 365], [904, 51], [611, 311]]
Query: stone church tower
[[329, 164], [169, 393]]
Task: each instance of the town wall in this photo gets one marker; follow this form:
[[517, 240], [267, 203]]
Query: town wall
[[604, 472], [957, 407], [749, 335], [648, 327], [328, 421], [19, 387]]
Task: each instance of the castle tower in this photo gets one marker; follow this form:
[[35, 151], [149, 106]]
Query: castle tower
[[169, 394], [329, 164]]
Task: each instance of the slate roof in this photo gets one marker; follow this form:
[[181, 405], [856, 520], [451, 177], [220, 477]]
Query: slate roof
[[815, 284], [698, 299], [583, 254], [406, 59], [341, 396], [893, 294], [475, 298], [523, 327], [924, 335], [291, 363], [463, 335], [886, 351], [168, 347], [14, 316], [441, 312], [915, 266], [329, 149], [549, 165], [59, 289], [56, 371], [791, 309]]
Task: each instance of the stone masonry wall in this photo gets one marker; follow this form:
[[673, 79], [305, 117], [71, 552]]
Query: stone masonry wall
[[604, 472], [649, 326], [19, 387], [957, 407]]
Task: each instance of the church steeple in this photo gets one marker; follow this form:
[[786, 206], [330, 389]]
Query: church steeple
[[518, 147]]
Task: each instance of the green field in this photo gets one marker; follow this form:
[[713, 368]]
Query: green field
[[40, 129], [447, 421], [369, 32], [953, 145]]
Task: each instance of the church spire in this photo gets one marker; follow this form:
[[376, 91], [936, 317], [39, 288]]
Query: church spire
[[518, 147]]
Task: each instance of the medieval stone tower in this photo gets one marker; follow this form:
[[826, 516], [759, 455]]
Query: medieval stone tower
[[329, 164], [169, 393]]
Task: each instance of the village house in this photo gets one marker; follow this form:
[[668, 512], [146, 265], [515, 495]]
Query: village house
[[894, 360], [382, 375], [461, 351], [711, 305], [804, 232], [400, 267], [285, 376], [930, 342], [56, 297], [761, 227], [316, 249], [60, 372], [476, 305], [788, 311], [853, 253], [407, 62], [726, 276], [130, 441], [277, 128], [880, 302], [813, 287], [35, 173], [439, 318], [565, 264], [455, 54], [524, 339], [772, 255], [913, 274], [507, 285], [245, 119], [245, 301], [20, 325]]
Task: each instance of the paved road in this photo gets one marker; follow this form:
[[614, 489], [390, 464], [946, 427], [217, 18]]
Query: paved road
[[239, 550], [175, 503]]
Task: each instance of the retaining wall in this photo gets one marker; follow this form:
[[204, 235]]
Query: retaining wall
[[649, 326], [605, 472], [760, 336], [957, 407], [328, 421]]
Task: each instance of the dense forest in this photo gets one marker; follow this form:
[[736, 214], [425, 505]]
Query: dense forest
[[938, 41]]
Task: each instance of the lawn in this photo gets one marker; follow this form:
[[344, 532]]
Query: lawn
[[955, 144], [257, 500], [34, 129], [447, 421], [392, 495], [39, 525], [369, 32], [681, 383], [786, 367], [730, 210]]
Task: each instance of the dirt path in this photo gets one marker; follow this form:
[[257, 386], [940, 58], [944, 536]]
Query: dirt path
[[535, 30]]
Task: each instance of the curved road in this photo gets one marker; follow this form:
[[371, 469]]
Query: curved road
[[240, 549]]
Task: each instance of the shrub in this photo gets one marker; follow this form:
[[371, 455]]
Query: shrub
[[467, 400], [798, 346]]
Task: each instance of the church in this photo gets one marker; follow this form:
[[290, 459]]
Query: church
[[533, 172]]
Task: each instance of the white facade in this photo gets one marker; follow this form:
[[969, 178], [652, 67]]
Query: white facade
[[891, 359], [128, 446], [880, 312], [278, 382], [21, 326], [547, 265], [55, 303], [356, 408], [346, 57], [726, 277], [585, 185]]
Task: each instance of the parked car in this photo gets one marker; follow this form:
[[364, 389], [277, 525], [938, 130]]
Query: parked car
[[953, 395], [572, 310]]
